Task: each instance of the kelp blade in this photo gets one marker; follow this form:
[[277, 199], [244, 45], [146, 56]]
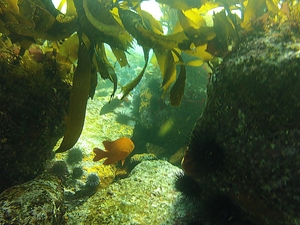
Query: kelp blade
[[129, 87], [167, 67], [177, 90], [78, 99], [105, 68]]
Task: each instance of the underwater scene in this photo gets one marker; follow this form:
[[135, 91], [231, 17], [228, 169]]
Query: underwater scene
[[160, 112]]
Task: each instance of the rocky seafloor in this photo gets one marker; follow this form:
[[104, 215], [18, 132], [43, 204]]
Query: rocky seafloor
[[147, 196]]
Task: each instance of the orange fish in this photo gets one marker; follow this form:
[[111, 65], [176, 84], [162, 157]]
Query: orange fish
[[114, 151]]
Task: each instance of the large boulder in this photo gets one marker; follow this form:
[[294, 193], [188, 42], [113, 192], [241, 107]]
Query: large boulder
[[34, 101], [39, 201], [246, 143]]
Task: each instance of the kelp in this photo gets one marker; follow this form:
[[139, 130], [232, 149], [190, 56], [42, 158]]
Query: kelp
[[182, 4], [104, 67], [130, 86], [226, 34], [253, 10], [149, 36], [167, 67], [39, 20], [120, 56], [78, 98], [107, 25], [177, 90]]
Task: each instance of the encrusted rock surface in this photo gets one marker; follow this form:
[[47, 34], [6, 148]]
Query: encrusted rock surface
[[39, 201], [248, 137], [34, 101], [147, 196]]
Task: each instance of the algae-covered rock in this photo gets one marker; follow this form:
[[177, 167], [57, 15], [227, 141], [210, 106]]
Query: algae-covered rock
[[39, 201], [246, 144], [33, 100], [147, 196]]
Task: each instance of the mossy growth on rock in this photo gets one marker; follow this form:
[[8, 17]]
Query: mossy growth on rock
[[33, 100], [252, 112]]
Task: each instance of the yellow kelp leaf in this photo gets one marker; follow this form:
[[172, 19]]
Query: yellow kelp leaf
[[177, 28], [177, 90], [35, 20], [61, 4], [150, 22], [104, 67], [115, 12], [201, 53], [69, 48], [111, 29], [120, 56], [133, 23], [152, 39], [181, 4], [130, 21], [197, 32], [71, 10], [94, 82], [167, 67], [272, 5], [195, 63], [190, 18], [225, 31], [197, 38], [11, 5], [170, 70], [153, 61], [207, 7], [129, 87], [78, 99], [251, 13]]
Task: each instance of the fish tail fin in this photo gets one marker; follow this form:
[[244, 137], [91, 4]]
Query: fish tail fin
[[100, 154]]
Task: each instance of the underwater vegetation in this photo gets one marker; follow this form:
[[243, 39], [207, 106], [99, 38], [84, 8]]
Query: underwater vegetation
[[87, 25]]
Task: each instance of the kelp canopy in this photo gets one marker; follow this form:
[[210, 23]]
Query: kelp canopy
[[88, 24]]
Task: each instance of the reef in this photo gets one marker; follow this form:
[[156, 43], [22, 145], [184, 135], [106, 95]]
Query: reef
[[34, 99], [147, 196], [246, 144], [39, 201]]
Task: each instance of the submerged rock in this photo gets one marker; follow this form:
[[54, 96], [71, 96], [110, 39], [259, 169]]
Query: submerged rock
[[246, 144], [147, 196], [39, 201], [34, 100]]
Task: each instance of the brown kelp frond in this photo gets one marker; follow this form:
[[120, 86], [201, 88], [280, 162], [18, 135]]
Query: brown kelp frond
[[79, 97]]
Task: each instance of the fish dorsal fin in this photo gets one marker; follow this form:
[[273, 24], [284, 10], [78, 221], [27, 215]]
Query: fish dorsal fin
[[109, 145]]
